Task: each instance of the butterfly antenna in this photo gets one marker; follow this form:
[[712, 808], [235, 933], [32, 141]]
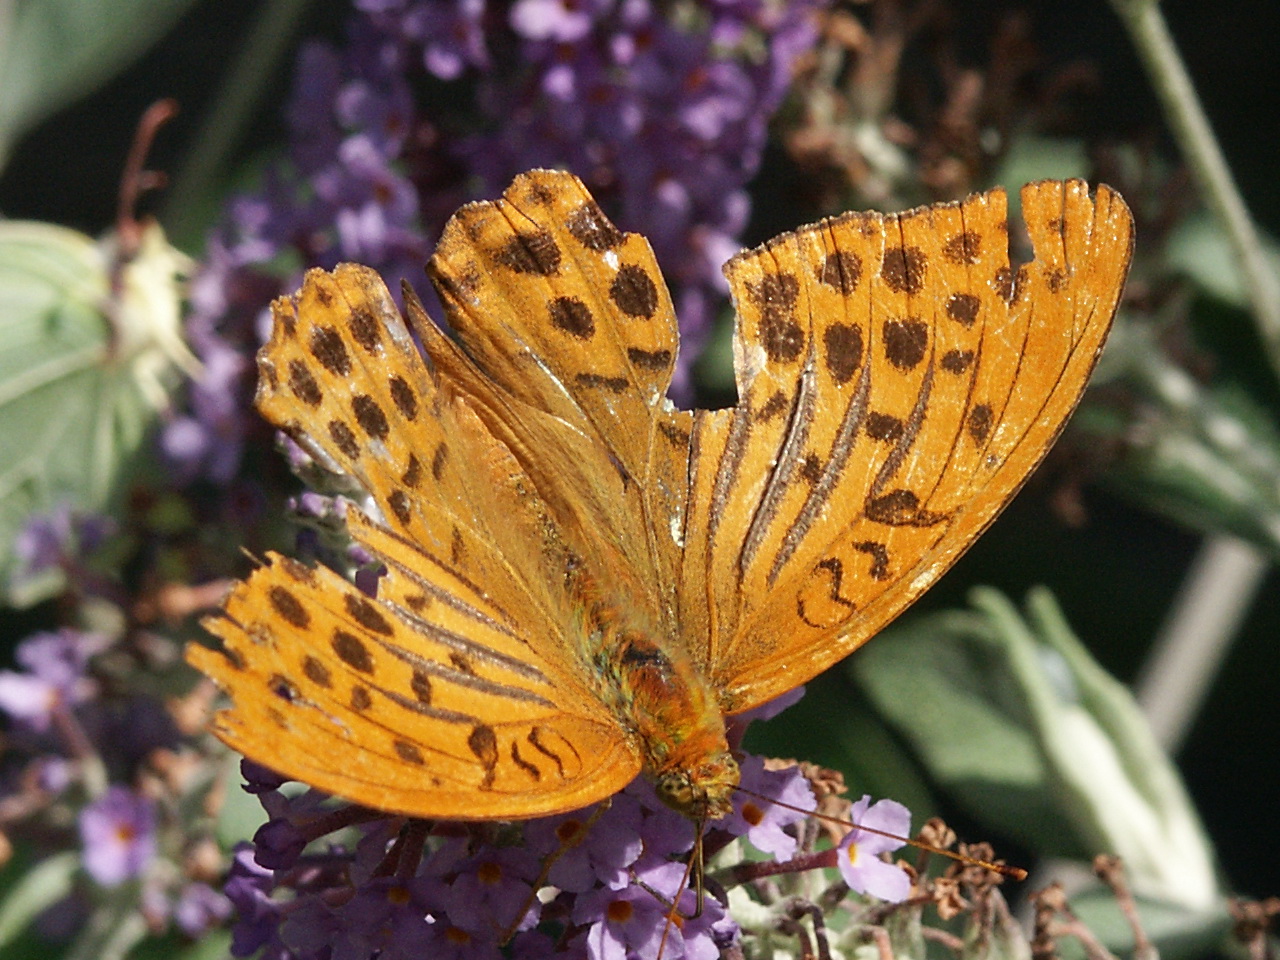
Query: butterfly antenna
[[1004, 869]]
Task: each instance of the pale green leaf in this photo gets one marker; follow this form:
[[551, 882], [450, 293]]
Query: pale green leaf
[[1014, 717], [86, 362], [936, 680], [1206, 455]]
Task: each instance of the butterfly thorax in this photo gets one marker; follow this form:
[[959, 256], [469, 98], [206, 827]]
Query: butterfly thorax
[[673, 716]]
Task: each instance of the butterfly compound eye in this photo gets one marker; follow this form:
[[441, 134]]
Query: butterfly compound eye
[[675, 789]]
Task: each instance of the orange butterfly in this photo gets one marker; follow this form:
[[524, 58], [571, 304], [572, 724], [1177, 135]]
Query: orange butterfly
[[583, 582]]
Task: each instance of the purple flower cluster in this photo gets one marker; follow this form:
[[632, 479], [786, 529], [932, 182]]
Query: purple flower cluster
[[662, 108], [605, 878], [69, 736], [118, 834], [339, 197], [53, 680], [53, 547]]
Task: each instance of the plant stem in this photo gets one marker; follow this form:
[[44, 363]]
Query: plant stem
[[1185, 114], [243, 88], [1204, 618]]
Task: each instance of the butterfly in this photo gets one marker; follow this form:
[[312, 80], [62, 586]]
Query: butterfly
[[581, 582]]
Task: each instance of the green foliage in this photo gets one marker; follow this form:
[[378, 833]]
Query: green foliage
[[1206, 455], [29, 892], [88, 40], [88, 354], [1200, 250], [1016, 721]]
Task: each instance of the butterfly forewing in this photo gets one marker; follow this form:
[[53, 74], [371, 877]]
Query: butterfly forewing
[[746, 462], [571, 316], [967, 373]]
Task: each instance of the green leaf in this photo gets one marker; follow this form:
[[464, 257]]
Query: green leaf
[[1200, 249], [1205, 455], [86, 361], [39, 888], [1020, 724], [936, 680], [1114, 784], [113, 927], [54, 51]]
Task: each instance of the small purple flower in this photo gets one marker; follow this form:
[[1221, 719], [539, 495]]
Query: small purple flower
[[55, 676], [624, 923], [490, 890], [450, 32], [209, 441], [445, 941], [859, 852], [707, 926], [249, 887], [43, 540], [200, 908], [28, 699], [54, 773], [60, 658], [665, 832], [311, 928], [118, 832], [633, 922], [319, 511], [259, 779], [310, 111], [610, 846], [279, 844], [387, 918], [763, 822], [559, 21], [52, 539]]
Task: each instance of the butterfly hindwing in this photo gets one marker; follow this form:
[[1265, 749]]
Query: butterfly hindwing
[[442, 712]]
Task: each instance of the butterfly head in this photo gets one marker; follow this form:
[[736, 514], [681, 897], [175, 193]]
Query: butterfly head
[[703, 792]]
